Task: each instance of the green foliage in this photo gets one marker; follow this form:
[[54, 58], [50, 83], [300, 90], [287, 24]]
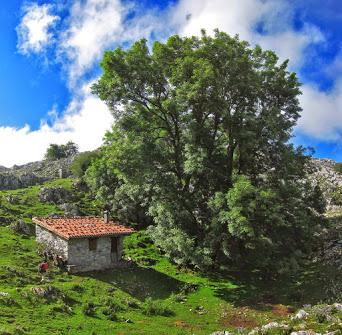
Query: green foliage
[[200, 151], [153, 308], [82, 162], [336, 197], [338, 167], [89, 309], [55, 151]]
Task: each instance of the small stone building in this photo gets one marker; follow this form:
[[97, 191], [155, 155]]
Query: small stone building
[[84, 243]]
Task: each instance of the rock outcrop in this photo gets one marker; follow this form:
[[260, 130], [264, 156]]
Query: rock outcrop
[[34, 173], [328, 179]]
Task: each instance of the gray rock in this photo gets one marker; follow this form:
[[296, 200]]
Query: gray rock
[[337, 306], [33, 173], [22, 227], [301, 314], [70, 209], [55, 195], [270, 325]]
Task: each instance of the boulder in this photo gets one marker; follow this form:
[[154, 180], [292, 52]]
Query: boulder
[[21, 227], [55, 195], [301, 314]]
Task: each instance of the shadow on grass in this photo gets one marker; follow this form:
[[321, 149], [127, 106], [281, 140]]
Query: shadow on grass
[[307, 286], [139, 282]]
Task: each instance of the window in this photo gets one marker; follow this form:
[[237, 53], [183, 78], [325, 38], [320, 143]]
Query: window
[[114, 244], [92, 244]]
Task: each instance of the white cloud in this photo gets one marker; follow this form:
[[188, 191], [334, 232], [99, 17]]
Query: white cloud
[[93, 26], [242, 17], [84, 122], [34, 31], [322, 113]]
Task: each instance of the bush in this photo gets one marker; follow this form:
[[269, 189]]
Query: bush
[[153, 308], [338, 167], [55, 151], [336, 197], [130, 303], [112, 308], [89, 309], [78, 288], [82, 162], [114, 305]]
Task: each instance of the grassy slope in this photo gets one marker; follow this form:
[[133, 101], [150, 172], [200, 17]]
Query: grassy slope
[[200, 304]]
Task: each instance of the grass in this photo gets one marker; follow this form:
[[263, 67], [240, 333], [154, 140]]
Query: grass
[[149, 295]]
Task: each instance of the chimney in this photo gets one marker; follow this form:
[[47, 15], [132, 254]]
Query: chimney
[[106, 217]]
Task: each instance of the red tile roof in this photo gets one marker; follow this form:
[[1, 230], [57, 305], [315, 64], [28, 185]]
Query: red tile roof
[[82, 226]]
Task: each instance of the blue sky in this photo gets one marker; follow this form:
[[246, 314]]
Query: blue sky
[[50, 51]]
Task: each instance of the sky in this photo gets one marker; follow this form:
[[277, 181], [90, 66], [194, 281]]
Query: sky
[[50, 53]]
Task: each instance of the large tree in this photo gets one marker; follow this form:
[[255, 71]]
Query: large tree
[[200, 146]]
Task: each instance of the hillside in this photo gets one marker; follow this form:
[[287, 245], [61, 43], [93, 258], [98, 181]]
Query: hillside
[[329, 179], [33, 173], [147, 294]]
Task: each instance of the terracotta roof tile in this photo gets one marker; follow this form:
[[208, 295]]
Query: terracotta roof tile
[[82, 226]]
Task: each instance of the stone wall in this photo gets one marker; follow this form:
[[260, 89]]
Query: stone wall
[[82, 259], [77, 253], [54, 243]]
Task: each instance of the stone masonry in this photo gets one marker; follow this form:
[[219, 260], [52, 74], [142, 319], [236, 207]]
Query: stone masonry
[[56, 244], [76, 251]]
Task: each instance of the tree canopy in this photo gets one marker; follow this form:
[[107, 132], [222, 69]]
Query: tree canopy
[[200, 151], [55, 151]]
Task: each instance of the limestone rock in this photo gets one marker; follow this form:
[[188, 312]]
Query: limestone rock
[[55, 195], [34, 173], [301, 314], [22, 227]]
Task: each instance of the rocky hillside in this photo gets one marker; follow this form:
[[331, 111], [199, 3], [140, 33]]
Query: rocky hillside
[[33, 173], [329, 180]]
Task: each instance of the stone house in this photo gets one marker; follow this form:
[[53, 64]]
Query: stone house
[[84, 243]]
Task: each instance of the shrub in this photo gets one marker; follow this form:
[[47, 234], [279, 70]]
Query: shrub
[[338, 167], [153, 308], [111, 315], [336, 197], [78, 288], [89, 309], [130, 303], [114, 305], [82, 162], [55, 151]]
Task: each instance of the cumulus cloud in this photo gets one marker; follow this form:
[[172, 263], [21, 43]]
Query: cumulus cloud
[[84, 122], [267, 23], [35, 30], [93, 26], [322, 113]]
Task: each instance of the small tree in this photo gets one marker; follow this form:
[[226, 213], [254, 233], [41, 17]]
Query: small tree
[[82, 162], [55, 151]]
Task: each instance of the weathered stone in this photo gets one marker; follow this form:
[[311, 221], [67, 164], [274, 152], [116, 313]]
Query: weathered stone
[[55, 195], [33, 173], [337, 306], [270, 326], [76, 251], [22, 227], [70, 209], [301, 314]]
